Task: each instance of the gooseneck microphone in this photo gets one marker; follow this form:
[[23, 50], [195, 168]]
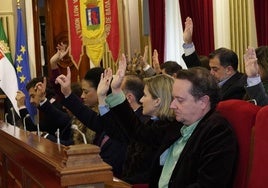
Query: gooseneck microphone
[[6, 114], [58, 136], [24, 123], [75, 127]]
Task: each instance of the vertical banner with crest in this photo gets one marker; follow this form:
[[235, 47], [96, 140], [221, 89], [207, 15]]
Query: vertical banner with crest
[[75, 31], [93, 28]]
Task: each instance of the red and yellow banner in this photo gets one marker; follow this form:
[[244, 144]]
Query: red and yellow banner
[[75, 31], [93, 32], [91, 24], [112, 27]]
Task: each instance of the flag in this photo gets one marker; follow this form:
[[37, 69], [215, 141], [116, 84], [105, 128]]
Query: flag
[[75, 32], [93, 29], [112, 27], [8, 77], [22, 63]]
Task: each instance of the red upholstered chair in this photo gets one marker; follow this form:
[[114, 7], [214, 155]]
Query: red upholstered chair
[[140, 186], [241, 114], [259, 170]]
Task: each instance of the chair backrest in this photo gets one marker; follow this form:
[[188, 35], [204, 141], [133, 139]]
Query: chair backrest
[[259, 170], [241, 115]]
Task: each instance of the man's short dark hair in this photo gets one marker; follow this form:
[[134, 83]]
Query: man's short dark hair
[[203, 83], [170, 67], [226, 56]]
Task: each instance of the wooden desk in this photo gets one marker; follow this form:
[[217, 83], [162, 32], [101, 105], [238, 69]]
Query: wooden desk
[[27, 160], [2, 111]]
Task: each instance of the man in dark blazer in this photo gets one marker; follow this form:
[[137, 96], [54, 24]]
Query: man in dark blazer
[[52, 116], [223, 65]]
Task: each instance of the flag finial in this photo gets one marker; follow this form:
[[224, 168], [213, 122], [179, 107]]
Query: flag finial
[[18, 3]]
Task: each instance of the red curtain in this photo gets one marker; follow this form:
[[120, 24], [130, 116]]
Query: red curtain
[[157, 26], [201, 12], [261, 16]]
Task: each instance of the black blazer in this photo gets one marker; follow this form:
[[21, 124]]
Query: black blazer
[[233, 88], [51, 119], [114, 150]]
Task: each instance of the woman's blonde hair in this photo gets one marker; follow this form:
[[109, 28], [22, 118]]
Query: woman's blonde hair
[[160, 86]]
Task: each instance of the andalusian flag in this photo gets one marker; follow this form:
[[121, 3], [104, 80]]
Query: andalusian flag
[[8, 78]]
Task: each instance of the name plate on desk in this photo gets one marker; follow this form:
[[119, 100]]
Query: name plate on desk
[[27, 160]]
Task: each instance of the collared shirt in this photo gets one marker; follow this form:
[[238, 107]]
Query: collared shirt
[[220, 84], [188, 49], [252, 81], [173, 153]]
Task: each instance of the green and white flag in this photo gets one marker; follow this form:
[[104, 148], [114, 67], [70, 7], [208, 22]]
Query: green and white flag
[[8, 76]]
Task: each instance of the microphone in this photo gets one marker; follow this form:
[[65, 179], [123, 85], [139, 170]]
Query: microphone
[[36, 121], [13, 117], [83, 135], [6, 114], [58, 136], [24, 123]]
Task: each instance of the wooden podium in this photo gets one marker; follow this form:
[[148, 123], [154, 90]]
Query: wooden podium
[[27, 160]]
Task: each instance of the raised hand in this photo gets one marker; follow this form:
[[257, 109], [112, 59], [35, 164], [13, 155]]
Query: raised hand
[[65, 82], [251, 65], [40, 89], [188, 31], [119, 76], [144, 58], [104, 85], [156, 64], [62, 50], [20, 98]]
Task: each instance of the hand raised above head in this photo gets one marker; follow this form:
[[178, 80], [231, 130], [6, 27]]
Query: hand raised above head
[[188, 31], [156, 64], [65, 82], [20, 98], [104, 83], [62, 50], [251, 65], [119, 76], [40, 89]]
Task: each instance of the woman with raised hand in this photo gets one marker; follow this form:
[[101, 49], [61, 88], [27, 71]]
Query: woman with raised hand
[[156, 100]]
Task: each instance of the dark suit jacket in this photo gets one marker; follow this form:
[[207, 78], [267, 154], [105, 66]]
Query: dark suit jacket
[[258, 93], [233, 88], [114, 150], [207, 160], [51, 119], [139, 155]]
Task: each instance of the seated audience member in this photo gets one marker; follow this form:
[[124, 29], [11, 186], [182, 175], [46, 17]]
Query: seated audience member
[[223, 65], [132, 87], [256, 68], [168, 67], [204, 60], [62, 51], [200, 150], [89, 134], [112, 151], [155, 103], [52, 115]]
